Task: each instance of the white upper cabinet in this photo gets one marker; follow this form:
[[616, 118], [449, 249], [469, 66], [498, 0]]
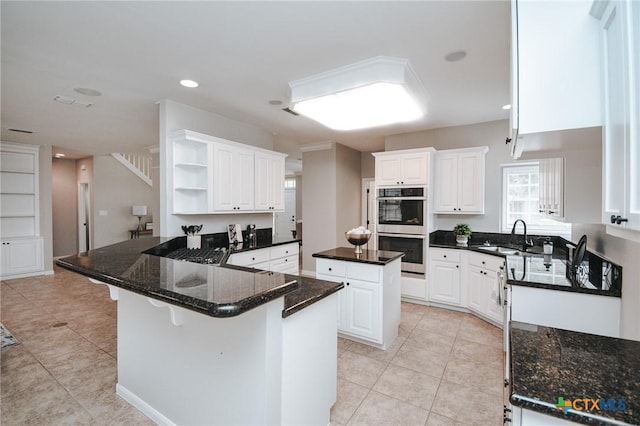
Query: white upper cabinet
[[551, 187], [233, 178], [620, 23], [459, 181], [555, 68], [405, 167], [269, 182], [213, 175]]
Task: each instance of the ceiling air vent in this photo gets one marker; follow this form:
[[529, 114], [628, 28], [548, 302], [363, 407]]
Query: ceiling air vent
[[29, 132], [71, 101], [290, 111]]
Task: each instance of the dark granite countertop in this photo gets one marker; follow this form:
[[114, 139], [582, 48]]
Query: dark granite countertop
[[597, 275], [549, 363], [218, 291], [348, 254]]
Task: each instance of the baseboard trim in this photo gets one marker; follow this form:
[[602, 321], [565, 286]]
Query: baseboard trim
[[142, 406], [23, 275]]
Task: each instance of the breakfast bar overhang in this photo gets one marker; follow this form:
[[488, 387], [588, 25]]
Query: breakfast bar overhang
[[203, 344]]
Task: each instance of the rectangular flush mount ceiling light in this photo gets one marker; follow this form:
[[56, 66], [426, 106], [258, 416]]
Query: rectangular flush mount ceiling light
[[370, 93]]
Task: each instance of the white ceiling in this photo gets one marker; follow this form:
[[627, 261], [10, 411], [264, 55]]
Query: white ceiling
[[243, 54]]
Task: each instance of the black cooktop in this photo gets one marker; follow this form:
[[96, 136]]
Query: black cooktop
[[208, 256]]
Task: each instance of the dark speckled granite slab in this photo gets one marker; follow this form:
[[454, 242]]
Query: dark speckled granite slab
[[548, 363], [375, 257], [217, 291]]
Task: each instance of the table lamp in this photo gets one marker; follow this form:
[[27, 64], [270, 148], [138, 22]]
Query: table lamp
[[139, 211]]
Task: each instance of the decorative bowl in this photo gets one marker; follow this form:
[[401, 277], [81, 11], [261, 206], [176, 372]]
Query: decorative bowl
[[358, 240]]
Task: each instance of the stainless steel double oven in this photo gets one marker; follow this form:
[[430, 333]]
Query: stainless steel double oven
[[402, 225]]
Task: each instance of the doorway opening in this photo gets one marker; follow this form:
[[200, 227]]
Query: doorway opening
[[285, 222], [370, 210], [84, 217]]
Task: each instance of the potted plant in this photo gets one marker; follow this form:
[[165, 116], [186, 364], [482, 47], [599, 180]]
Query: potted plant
[[462, 231]]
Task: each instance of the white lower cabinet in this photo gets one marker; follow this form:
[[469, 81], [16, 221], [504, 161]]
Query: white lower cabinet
[[369, 305], [361, 309], [445, 271], [283, 259], [483, 286], [21, 257]]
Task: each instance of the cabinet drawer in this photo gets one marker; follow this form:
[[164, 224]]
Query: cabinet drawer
[[486, 261], [333, 268], [363, 272], [446, 255], [250, 257], [285, 264], [284, 251]]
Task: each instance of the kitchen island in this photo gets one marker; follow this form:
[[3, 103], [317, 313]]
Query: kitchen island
[[211, 344], [369, 308]]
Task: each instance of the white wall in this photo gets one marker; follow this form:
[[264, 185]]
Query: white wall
[[116, 190], [46, 221], [491, 134], [64, 207], [348, 192], [175, 116], [367, 165], [581, 150], [331, 190], [319, 204]]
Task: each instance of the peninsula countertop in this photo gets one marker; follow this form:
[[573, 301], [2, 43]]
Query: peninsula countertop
[[217, 291], [549, 363]]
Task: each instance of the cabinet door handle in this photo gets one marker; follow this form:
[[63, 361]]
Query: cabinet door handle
[[445, 256], [347, 283], [618, 219], [329, 269], [457, 266]]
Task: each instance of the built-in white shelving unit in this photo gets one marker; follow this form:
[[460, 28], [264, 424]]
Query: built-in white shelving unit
[[21, 250]]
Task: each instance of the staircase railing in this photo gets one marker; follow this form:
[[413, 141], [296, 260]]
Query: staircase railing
[[139, 164]]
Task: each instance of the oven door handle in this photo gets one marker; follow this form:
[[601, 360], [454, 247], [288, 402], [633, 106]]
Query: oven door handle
[[416, 236], [403, 198]]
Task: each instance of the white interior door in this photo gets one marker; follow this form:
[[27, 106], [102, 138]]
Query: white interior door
[[286, 220], [84, 218]]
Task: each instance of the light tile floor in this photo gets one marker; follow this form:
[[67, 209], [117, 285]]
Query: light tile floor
[[445, 368]]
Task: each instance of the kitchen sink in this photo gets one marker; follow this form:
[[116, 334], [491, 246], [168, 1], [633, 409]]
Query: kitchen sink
[[507, 251], [499, 249]]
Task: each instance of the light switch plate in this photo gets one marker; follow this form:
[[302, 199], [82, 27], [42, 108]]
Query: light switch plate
[[104, 212]]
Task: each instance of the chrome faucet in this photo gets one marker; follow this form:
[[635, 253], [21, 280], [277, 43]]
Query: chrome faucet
[[525, 243]]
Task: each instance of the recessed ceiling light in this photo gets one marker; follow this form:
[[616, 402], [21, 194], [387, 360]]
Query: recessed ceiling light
[[275, 102], [59, 155], [455, 56], [507, 106], [189, 83], [87, 91]]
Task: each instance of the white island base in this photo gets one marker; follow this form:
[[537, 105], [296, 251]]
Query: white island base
[[181, 367]]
